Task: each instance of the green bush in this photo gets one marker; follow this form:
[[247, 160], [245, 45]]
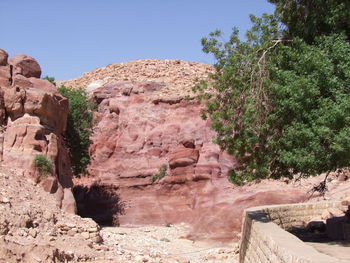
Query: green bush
[[160, 174], [43, 165], [281, 106], [79, 126]]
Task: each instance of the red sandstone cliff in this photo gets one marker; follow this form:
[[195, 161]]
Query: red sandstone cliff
[[144, 122]]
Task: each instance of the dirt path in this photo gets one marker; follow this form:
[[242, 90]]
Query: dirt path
[[163, 245]]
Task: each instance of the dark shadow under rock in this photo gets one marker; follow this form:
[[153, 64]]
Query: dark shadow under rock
[[99, 202]]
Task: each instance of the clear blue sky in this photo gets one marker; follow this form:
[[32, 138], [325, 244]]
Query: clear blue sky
[[70, 37]]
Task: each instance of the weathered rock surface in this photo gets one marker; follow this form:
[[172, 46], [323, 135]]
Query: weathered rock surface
[[33, 117], [137, 133]]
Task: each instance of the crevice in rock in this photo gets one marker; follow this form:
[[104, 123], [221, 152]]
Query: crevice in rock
[[14, 141], [37, 148], [24, 134], [39, 135], [29, 224], [11, 75], [167, 101], [99, 202]]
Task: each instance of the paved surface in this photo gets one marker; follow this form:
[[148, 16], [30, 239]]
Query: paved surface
[[335, 249]]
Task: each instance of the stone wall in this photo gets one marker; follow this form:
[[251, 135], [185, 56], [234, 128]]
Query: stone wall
[[265, 239]]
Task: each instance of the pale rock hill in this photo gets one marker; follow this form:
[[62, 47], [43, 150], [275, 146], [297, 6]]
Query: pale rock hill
[[178, 76]]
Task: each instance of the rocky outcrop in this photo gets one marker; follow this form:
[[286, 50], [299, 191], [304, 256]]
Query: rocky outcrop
[[33, 117], [34, 229], [138, 131]]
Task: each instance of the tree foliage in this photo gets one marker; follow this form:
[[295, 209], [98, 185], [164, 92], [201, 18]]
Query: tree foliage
[[309, 19], [281, 105], [79, 125]]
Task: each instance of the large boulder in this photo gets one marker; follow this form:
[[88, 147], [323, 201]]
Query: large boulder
[[3, 57], [25, 65]]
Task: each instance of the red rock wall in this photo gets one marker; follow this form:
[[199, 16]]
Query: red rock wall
[[136, 134]]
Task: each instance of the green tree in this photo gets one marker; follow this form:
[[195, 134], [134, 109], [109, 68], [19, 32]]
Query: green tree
[[308, 19], [79, 125], [281, 106]]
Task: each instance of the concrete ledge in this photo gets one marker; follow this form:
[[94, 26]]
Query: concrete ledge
[[265, 239]]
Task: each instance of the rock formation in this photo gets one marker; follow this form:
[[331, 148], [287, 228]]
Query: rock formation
[[142, 126], [33, 224], [33, 117]]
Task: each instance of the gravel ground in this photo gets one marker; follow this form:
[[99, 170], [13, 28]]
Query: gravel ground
[[163, 244]]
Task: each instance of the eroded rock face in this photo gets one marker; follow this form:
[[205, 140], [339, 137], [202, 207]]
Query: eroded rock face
[[33, 117], [137, 133]]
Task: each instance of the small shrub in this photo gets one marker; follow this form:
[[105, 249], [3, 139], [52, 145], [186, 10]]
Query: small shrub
[[43, 165], [187, 98], [50, 79], [160, 174]]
